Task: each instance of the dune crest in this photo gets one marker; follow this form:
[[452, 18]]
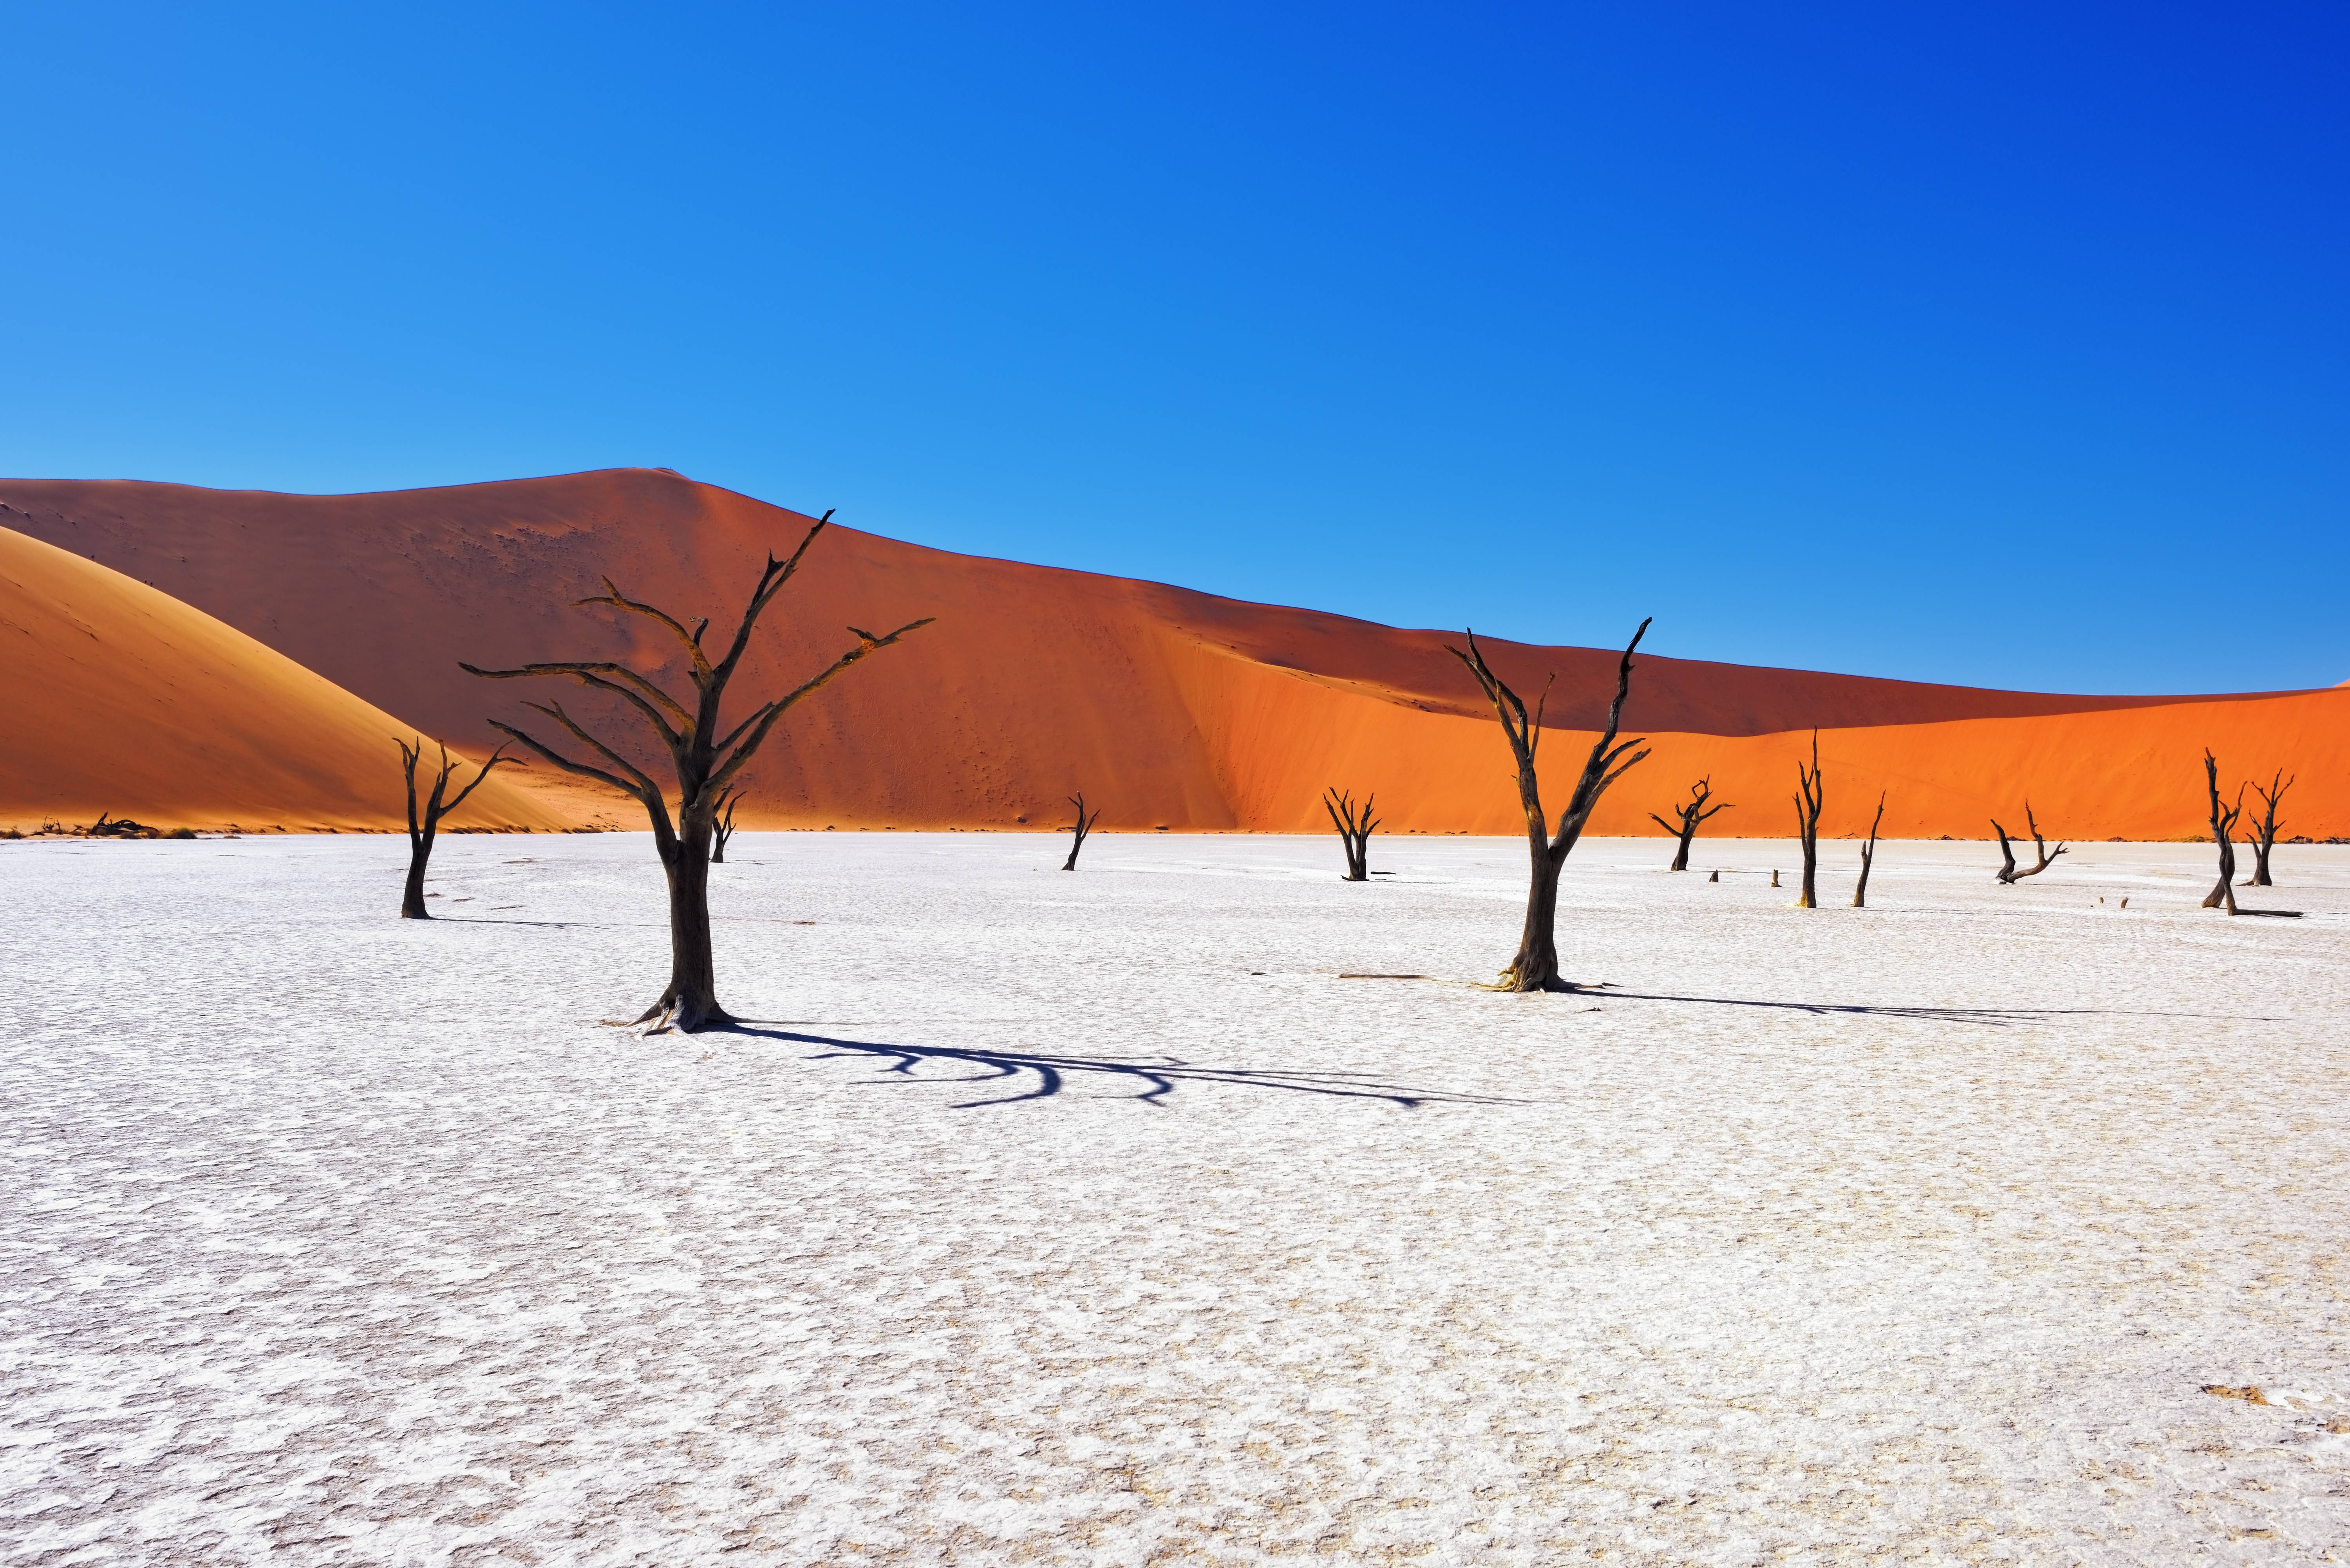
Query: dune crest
[[1167, 706]]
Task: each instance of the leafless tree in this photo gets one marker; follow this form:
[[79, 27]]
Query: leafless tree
[[706, 756], [1813, 791], [2009, 872], [1354, 831], [1536, 966], [426, 825], [1078, 829], [2263, 831], [1868, 857], [721, 824], [2223, 834], [1686, 818]]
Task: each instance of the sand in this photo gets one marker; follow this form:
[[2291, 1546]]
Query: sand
[[120, 699], [1093, 1219], [1165, 706]]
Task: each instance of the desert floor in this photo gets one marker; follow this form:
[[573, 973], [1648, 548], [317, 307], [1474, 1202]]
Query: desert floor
[[1098, 1218]]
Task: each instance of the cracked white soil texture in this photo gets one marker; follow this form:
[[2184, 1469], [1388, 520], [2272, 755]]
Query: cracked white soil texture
[[1095, 1218]]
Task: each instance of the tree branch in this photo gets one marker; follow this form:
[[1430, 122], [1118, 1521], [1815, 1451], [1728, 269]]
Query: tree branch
[[765, 717], [592, 672]]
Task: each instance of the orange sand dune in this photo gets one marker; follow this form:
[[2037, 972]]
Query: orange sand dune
[[1166, 706], [120, 699]]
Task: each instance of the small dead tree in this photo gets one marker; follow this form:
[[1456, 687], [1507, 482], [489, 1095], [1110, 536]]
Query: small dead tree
[[1813, 791], [1078, 829], [706, 756], [2263, 829], [1686, 818], [1536, 966], [2223, 834], [2009, 872], [426, 825], [1354, 831], [1868, 856], [721, 824]]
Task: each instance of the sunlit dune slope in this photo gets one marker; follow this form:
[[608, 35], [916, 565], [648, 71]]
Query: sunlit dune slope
[[1166, 706], [120, 699]]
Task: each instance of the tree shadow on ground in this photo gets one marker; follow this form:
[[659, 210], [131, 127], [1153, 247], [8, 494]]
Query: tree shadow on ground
[[1998, 1017], [1154, 1077]]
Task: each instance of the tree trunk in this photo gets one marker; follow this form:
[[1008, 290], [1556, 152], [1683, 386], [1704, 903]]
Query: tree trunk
[[411, 902], [2223, 892], [1808, 821], [1680, 858], [1536, 966], [693, 978], [2260, 877], [1868, 856]]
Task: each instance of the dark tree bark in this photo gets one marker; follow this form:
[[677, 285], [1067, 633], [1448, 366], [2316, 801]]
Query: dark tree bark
[[721, 824], [1354, 831], [2265, 826], [426, 825], [2223, 834], [1868, 857], [1813, 791], [706, 757], [1686, 818], [1536, 966], [1078, 829], [2009, 872]]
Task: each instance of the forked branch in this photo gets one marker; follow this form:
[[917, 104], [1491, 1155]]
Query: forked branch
[[2009, 872]]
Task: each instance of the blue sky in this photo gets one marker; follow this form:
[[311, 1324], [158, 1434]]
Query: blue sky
[[2001, 346]]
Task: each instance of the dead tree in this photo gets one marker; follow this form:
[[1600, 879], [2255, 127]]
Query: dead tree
[[2009, 872], [1868, 856], [1354, 831], [1536, 966], [706, 756], [423, 828], [721, 824], [2223, 834], [2265, 827], [1807, 825], [1686, 818], [1078, 829]]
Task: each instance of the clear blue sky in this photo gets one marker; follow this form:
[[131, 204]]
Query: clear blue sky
[[2002, 346]]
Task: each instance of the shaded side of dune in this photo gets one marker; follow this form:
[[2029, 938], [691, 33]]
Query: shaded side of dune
[[120, 699]]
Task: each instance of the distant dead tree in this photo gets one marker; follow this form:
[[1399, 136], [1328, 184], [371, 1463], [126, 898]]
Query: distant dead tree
[[1807, 825], [1536, 966], [2009, 872], [721, 824], [1868, 856], [424, 826], [706, 756], [2223, 834], [1078, 829], [2263, 828], [1686, 819], [1354, 831]]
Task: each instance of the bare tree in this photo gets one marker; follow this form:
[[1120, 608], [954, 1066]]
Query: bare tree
[[1536, 966], [2223, 834], [2009, 872], [1354, 831], [423, 828], [1686, 818], [1868, 857], [721, 824], [1807, 825], [1077, 830], [2264, 828], [706, 756]]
